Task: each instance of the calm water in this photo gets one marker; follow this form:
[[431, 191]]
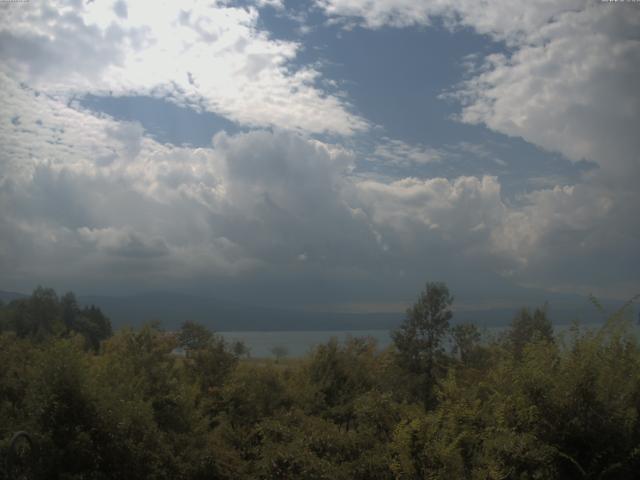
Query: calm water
[[300, 343]]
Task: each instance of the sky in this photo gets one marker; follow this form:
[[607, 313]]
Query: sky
[[327, 154]]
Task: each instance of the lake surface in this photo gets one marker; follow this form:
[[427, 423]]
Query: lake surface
[[299, 343]]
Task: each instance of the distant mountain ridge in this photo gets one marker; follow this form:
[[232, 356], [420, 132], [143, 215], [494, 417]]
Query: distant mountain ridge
[[172, 309], [10, 296]]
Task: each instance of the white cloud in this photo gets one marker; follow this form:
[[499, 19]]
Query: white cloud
[[571, 88], [90, 199], [568, 84], [438, 220], [121, 242], [503, 19], [432, 202], [575, 212], [402, 153], [397, 13], [210, 57], [277, 4], [85, 195], [82, 195]]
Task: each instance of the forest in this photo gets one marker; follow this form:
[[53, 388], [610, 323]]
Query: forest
[[444, 401]]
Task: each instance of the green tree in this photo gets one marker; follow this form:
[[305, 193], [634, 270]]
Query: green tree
[[337, 375], [419, 340], [37, 316], [194, 336], [69, 310], [44, 315], [465, 337], [240, 349], [208, 358], [527, 327], [93, 325]]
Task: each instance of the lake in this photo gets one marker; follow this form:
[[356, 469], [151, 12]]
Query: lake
[[299, 343]]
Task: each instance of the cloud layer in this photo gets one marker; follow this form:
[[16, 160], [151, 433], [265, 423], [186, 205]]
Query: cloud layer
[[568, 85], [89, 200], [204, 55]]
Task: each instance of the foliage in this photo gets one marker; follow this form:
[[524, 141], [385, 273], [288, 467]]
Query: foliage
[[44, 315], [466, 338], [419, 340], [527, 405], [527, 327], [208, 358]]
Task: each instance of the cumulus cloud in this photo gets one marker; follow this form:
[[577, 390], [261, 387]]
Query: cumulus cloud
[[568, 84], [454, 207], [77, 188], [99, 195], [91, 199], [205, 55], [87, 198], [123, 243]]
